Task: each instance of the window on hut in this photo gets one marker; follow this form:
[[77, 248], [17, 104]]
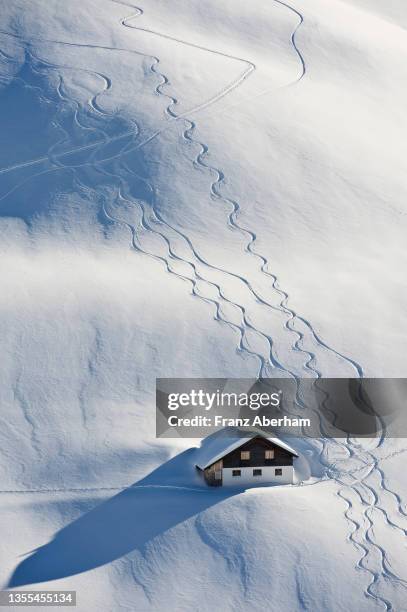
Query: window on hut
[[245, 455], [236, 472], [269, 454], [278, 472], [257, 472]]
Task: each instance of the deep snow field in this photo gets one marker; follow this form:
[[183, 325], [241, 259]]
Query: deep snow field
[[198, 188]]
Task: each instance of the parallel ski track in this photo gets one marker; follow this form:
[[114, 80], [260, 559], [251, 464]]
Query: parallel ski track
[[283, 304], [199, 161], [212, 100], [251, 67]]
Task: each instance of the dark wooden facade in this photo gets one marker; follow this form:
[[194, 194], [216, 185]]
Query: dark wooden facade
[[257, 447], [213, 474]]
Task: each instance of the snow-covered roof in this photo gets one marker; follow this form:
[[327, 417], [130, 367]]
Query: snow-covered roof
[[227, 440]]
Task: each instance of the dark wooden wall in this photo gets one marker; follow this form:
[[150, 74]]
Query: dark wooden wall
[[209, 474], [257, 448]]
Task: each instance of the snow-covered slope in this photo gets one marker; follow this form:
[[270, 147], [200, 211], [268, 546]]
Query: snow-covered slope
[[197, 189]]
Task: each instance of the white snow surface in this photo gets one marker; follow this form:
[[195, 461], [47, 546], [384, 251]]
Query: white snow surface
[[198, 189]]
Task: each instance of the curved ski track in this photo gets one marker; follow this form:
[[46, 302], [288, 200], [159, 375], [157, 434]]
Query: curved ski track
[[226, 90], [283, 305]]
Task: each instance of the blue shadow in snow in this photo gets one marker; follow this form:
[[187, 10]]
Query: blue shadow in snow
[[51, 143], [124, 523]]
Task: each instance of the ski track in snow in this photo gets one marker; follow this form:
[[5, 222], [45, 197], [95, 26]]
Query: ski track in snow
[[251, 67], [366, 550], [225, 91], [293, 35], [361, 535]]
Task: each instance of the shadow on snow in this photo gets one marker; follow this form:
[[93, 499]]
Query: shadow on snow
[[122, 524]]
